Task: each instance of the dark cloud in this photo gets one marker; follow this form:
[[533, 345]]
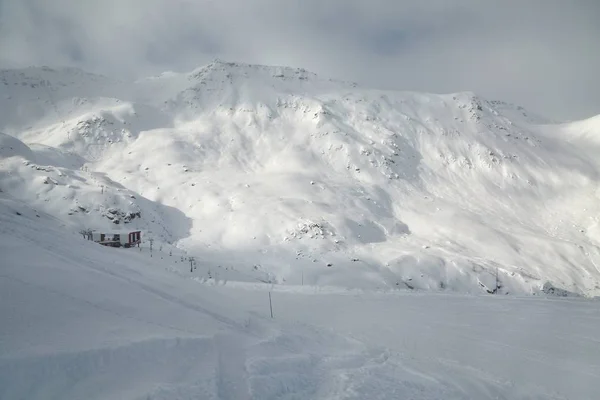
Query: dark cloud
[[542, 54]]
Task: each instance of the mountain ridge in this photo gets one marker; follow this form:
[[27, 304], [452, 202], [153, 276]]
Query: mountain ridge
[[299, 173]]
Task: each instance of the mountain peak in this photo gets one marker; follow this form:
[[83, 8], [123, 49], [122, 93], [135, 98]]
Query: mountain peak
[[232, 69]]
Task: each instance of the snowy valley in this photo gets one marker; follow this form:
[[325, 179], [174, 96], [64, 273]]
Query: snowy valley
[[412, 245]]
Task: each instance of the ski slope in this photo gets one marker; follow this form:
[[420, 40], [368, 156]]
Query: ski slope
[[83, 321], [376, 223]]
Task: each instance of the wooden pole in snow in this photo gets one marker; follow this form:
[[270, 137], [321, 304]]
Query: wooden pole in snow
[[270, 304], [497, 280]]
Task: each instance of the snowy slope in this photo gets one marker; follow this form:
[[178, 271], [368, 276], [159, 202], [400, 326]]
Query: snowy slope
[[83, 321], [277, 172]]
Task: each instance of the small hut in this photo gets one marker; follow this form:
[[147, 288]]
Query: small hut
[[117, 239]]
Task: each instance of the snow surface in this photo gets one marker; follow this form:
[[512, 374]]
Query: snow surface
[[379, 223], [312, 179], [83, 321]]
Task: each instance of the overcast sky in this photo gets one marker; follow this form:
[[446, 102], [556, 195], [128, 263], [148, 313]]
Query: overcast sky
[[543, 54]]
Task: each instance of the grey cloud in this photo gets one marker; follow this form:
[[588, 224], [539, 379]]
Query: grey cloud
[[541, 54]]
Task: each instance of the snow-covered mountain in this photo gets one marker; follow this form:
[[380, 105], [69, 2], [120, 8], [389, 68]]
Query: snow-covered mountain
[[276, 173]]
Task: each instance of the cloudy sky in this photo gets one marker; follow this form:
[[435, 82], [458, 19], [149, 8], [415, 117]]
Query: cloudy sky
[[543, 54]]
